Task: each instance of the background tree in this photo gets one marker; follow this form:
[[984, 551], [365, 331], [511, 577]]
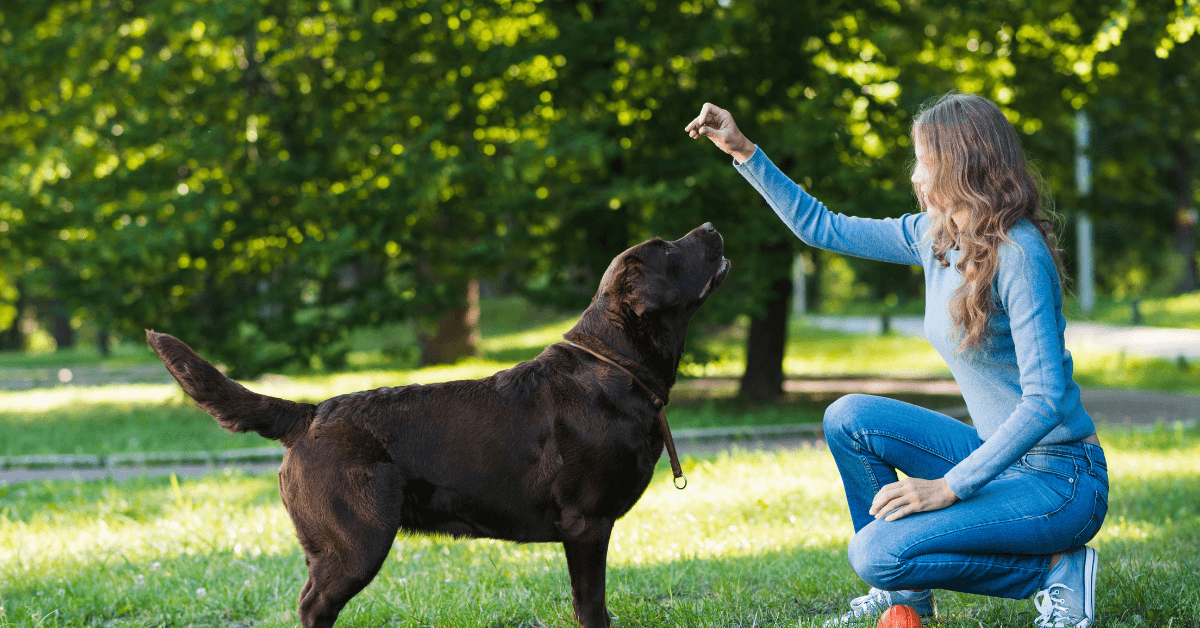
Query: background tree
[[623, 169], [226, 171], [261, 178], [1129, 66]]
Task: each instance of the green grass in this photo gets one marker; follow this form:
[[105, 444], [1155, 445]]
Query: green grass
[[1120, 370], [115, 428], [757, 539], [818, 352], [812, 351], [122, 354], [1177, 311]]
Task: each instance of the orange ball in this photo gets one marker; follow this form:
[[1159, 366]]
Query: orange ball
[[900, 616]]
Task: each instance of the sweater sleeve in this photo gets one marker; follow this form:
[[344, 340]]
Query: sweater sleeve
[[889, 239], [1026, 286]]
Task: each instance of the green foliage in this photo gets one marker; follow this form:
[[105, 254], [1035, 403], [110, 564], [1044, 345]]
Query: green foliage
[[263, 178], [1131, 67], [238, 174]]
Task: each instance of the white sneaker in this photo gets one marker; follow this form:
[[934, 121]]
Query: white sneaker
[[1069, 597], [872, 605]]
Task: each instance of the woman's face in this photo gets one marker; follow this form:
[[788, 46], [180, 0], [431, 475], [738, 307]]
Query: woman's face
[[921, 179]]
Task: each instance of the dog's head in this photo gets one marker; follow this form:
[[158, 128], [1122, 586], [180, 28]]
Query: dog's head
[[649, 293], [659, 277]]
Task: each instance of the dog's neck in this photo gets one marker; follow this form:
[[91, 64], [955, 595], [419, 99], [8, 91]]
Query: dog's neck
[[643, 359]]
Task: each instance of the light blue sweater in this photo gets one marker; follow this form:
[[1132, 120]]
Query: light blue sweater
[[1018, 387]]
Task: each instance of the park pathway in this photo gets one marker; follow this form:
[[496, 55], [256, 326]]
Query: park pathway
[[1159, 342]]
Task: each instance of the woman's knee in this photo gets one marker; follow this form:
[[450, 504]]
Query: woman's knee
[[844, 414], [875, 561]]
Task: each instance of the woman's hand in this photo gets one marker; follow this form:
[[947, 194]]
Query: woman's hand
[[911, 495], [717, 125]]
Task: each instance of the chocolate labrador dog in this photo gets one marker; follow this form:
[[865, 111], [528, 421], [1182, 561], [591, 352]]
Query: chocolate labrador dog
[[553, 450]]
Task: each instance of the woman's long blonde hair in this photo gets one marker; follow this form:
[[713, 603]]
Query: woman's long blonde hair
[[976, 163]]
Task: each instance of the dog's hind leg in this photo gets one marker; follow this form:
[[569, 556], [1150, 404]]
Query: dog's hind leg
[[346, 522], [334, 578], [587, 564]]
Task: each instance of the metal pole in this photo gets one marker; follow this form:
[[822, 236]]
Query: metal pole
[[1083, 182], [799, 286]]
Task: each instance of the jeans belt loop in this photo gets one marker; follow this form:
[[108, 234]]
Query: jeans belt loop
[[1087, 453]]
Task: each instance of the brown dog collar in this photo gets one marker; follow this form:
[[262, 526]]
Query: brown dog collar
[[662, 415]]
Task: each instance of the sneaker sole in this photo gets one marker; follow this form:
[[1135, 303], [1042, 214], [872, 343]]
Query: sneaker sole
[[1090, 566]]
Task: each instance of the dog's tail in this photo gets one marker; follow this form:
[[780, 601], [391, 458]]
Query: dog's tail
[[235, 407]]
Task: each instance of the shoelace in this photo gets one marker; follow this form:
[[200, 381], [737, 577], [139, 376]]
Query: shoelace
[[873, 602], [1053, 613]]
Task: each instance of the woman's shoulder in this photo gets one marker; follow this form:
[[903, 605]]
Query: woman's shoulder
[[1025, 249]]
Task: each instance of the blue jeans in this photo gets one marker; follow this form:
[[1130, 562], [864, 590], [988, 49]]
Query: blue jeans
[[998, 541]]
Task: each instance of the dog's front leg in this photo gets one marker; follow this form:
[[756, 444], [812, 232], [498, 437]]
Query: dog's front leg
[[587, 563]]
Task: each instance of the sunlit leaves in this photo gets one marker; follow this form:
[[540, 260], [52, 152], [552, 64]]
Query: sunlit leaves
[[357, 160], [1183, 23]]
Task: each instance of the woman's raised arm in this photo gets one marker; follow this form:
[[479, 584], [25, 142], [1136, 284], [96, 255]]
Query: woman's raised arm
[[889, 240]]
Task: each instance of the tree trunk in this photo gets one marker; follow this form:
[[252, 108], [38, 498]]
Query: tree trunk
[[64, 334], [104, 342], [457, 335], [1185, 222], [763, 378], [812, 285]]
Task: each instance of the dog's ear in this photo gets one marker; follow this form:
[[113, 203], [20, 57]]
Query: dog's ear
[[651, 294]]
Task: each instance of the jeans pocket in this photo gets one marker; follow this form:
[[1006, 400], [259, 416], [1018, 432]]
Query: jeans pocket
[[1057, 473], [1054, 464], [1099, 510]]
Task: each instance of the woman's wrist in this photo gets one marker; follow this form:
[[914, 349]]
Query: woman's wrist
[[744, 152]]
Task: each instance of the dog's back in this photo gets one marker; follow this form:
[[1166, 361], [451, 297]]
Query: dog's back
[[474, 458]]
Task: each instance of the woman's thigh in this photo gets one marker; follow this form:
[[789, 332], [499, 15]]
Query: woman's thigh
[[919, 442], [1022, 511]]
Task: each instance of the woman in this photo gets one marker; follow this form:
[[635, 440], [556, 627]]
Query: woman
[[1003, 508]]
